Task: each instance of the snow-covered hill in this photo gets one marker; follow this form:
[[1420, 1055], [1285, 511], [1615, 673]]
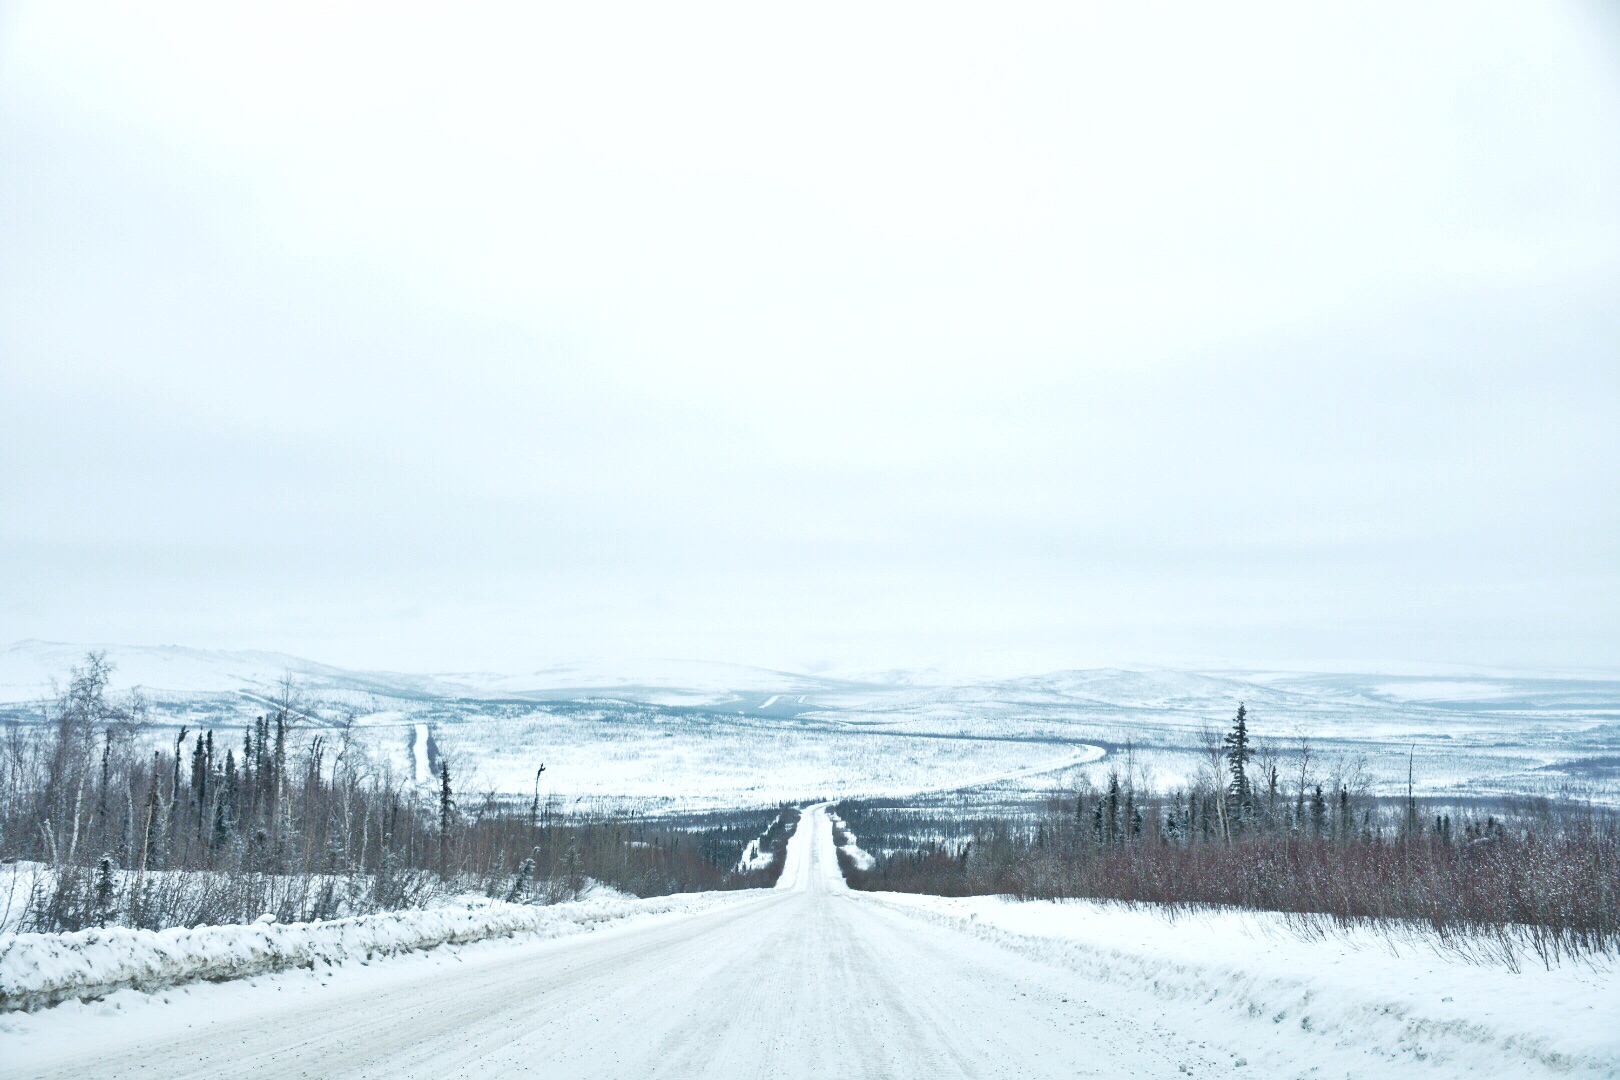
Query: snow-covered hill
[[28, 668], [675, 732]]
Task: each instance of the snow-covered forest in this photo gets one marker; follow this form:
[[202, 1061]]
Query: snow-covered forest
[[98, 827]]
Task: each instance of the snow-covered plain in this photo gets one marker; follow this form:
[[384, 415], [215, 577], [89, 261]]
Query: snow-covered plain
[[812, 980], [681, 735]]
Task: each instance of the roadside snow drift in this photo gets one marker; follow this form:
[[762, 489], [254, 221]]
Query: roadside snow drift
[[37, 970], [1334, 1000]]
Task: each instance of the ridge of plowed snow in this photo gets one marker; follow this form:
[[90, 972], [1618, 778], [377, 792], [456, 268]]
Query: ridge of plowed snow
[[42, 969]]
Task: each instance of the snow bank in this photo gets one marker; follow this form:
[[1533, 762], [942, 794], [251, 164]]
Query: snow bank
[[1332, 1000], [419, 754], [755, 857], [860, 857], [37, 970]]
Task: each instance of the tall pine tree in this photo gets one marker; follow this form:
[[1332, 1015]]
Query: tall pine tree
[[1238, 754], [446, 816]]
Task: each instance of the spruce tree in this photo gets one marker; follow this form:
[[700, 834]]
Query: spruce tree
[[1112, 820], [446, 812], [106, 780], [520, 884], [105, 890], [1238, 754]]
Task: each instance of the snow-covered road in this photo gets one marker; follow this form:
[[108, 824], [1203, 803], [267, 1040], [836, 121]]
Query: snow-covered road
[[807, 980]]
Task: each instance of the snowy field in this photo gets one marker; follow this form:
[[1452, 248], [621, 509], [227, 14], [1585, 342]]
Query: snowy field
[[679, 736]]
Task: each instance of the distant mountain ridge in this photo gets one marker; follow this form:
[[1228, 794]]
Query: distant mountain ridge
[[27, 669]]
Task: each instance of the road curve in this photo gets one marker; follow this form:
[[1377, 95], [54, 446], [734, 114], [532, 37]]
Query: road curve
[[806, 980]]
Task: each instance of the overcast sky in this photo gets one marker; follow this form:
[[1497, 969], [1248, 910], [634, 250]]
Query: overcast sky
[[845, 336]]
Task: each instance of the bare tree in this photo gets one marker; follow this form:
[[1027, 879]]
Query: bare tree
[[1213, 774]]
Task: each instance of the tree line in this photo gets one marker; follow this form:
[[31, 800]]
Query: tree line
[[278, 817], [1253, 830]]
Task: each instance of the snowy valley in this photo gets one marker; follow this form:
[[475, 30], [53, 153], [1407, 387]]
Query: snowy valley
[[677, 735]]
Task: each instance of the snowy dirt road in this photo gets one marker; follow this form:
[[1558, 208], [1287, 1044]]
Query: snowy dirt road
[[807, 980]]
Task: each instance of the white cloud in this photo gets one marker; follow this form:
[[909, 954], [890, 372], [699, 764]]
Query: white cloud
[[420, 335]]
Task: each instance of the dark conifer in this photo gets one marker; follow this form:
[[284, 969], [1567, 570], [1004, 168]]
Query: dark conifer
[[1238, 754]]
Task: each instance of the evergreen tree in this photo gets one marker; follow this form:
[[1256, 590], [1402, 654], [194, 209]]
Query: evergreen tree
[[1238, 754], [105, 890], [225, 804], [520, 884], [1111, 817], [446, 815], [174, 783], [106, 779]]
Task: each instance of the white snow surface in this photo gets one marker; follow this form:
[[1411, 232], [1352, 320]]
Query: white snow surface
[[1350, 995], [29, 668], [813, 980], [419, 753], [858, 855], [754, 857]]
